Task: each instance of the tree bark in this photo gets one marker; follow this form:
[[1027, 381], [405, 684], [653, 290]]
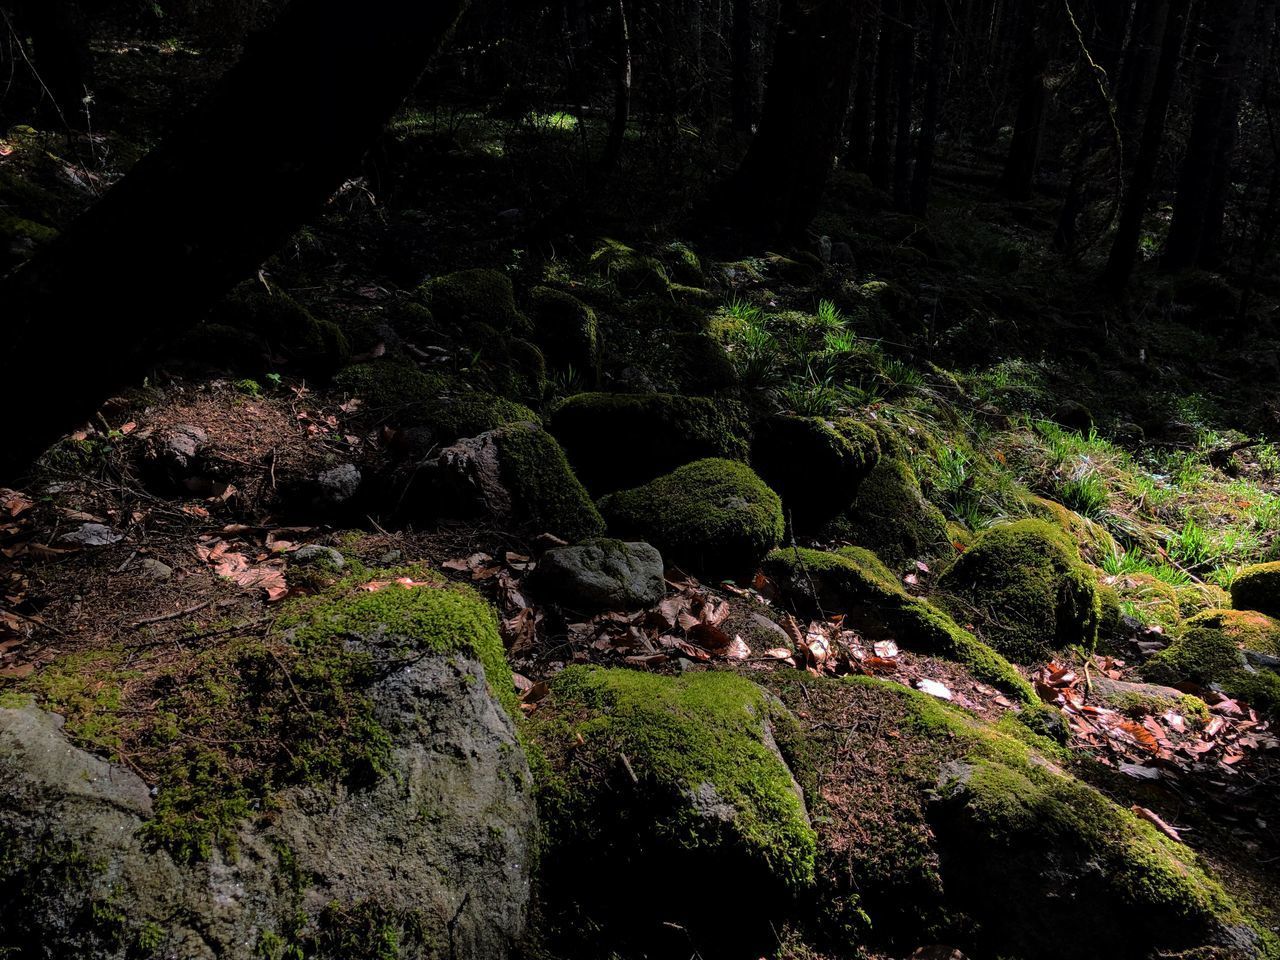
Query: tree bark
[[906, 68], [881, 149], [202, 211], [939, 26], [859, 153], [621, 87], [743, 80], [1028, 129], [1138, 72], [1124, 249]]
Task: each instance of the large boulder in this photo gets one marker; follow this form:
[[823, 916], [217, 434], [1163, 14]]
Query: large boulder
[[712, 516], [566, 330], [245, 851], [617, 440], [1025, 588], [1257, 588], [469, 297], [602, 574], [891, 516], [1236, 651], [814, 464]]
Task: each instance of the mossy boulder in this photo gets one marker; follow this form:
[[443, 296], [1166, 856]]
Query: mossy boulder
[[284, 328], [1258, 588], [1153, 600], [515, 474], [389, 390], [670, 783], [1233, 650], [683, 264], [469, 297], [854, 581], [1091, 538], [631, 272], [602, 574], [815, 464], [566, 330], [711, 516], [891, 516], [701, 365], [1026, 588], [616, 440], [471, 413], [1196, 598], [21, 238]]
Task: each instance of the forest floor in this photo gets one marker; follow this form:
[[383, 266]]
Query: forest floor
[[1008, 381]]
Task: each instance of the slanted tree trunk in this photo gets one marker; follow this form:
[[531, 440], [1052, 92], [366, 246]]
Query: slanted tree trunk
[[743, 80], [906, 67], [1124, 249], [621, 87], [939, 25], [881, 149], [251, 164], [777, 188]]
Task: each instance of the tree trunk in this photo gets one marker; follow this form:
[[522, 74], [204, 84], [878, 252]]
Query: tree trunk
[[60, 51], [195, 216], [939, 24], [881, 149], [1219, 63], [859, 153], [621, 87], [1124, 250], [743, 80], [1138, 72], [906, 67], [1028, 130], [780, 182]]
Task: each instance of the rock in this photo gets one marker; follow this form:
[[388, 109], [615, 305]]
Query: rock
[[155, 569], [566, 330], [314, 554], [1213, 651], [338, 484], [890, 516], [387, 389], [1257, 588], [179, 449], [841, 254], [1074, 416], [629, 271], [92, 535], [814, 464], [712, 516], [467, 297], [602, 575]]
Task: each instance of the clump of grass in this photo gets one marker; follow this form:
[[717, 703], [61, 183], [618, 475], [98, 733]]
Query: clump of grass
[[1086, 493]]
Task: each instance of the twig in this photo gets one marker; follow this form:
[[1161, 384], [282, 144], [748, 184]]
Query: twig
[[169, 616], [813, 590]]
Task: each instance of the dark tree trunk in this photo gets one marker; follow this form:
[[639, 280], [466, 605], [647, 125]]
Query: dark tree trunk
[[1138, 73], [859, 154], [1124, 249], [60, 54], [194, 217], [1219, 62], [1028, 128], [939, 25], [780, 182], [881, 148], [621, 87], [1211, 242], [906, 68], [743, 81]]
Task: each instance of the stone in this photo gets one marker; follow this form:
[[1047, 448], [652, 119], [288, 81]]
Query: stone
[[92, 535], [156, 569], [314, 554], [338, 485], [602, 574]]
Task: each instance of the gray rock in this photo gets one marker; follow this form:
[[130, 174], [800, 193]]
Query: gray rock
[[339, 484], [313, 554], [92, 535], [156, 569], [179, 448], [602, 575]]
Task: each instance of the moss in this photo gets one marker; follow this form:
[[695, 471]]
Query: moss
[[1026, 586], [567, 331], [629, 271], [855, 582], [814, 464], [1092, 539], [701, 364], [287, 329], [1110, 610], [1196, 598], [475, 296], [891, 516], [535, 470], [617, 440], [714, 516], [683, 264], [1209, 651], [1153, 600], [1138, 705], [472, 413], [389, 389], [16, 228], [1257, 588]]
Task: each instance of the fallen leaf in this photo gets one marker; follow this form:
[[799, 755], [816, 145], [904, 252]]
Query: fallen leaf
[[933, 688]]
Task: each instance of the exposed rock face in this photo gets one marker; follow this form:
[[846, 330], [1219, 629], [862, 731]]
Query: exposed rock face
[[603, 575], [436, 852]]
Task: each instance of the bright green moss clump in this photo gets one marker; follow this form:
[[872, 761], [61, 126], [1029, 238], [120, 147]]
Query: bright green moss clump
[[853, 581], [815, 464], [475, 296], [714, 516], [1210, 650], [1026, 587], [891, 516], [1258, 588], [617, 440], [551, 498], [1092, 539]]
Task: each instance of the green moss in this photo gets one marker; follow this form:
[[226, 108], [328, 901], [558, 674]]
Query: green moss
[[701, 367], [472, 413], [285, 327], [1152, 600], [1110, 610], [629, 271], [1025, 585], [1209, 651], [891, 516], [683, 264], [680, 735], [1257, 588], [552, 499], [1092, 539], [475, 296], [16, 228], [389, 389], [814, 464], [1196, 598], [713, 515], [854, 581], [567, 331], [1139, 705], [617, 440]]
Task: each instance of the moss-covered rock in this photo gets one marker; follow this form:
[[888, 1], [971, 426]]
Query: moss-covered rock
[[617, 440], [1153, 600], [1214, 649], [891, 516], [285, 328], [853, 581], [701, 365], [472, 413], [1028, 591], [814, 464], [1092, 539], [630, 271], [1110, 610], [469, 297], [389, 390], [1258, 588], [566, 330], [1196, 598], [683, 264], [712, 516], [669, 783]]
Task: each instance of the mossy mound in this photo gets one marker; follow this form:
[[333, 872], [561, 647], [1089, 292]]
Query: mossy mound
[[668, 783], [475, 296], [683, 264], [891, 516], [1025, 585], [701, 365], [814, 464], [285, 328], [1110, 609], [617, 440], [1213, 650], [1092, 539], [1153, 600], [389, 390], [1196, 598], [550, 498], [630, 271], [1258, 588], [971, 835], [855, 582], [712, 516], [472, 413], [566, 330]]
